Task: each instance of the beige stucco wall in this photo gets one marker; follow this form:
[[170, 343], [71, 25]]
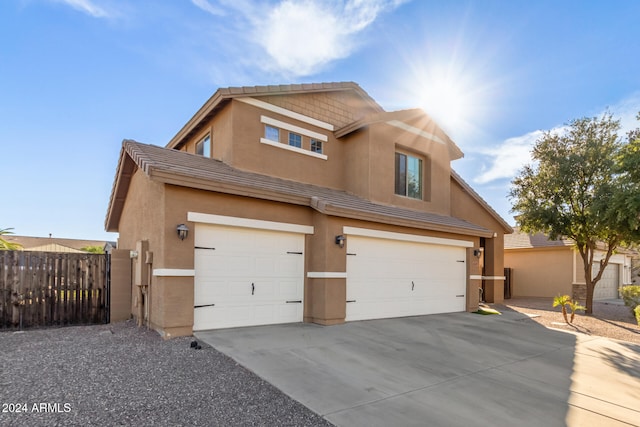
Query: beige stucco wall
[[464, 206], [540, 272]]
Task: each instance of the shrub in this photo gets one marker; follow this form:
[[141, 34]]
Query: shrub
[[631, 296], [637, 311]]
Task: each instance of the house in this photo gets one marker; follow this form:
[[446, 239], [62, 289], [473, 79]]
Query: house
[[545, 268], [55, 244], [294, 203]]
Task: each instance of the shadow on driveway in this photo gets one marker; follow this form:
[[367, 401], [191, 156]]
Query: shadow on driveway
[[450, 369]]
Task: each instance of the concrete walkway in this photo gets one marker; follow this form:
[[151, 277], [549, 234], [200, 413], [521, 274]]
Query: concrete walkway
[[444, 370]]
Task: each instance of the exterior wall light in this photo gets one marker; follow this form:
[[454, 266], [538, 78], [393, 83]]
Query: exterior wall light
[[183, 231], [340, 240]]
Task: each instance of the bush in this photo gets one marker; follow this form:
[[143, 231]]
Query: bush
[[637, 311], [631, 296]]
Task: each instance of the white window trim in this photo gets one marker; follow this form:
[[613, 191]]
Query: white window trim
[[233, 221], [366, 232], [295, 129], [287, 113], [292, 148]]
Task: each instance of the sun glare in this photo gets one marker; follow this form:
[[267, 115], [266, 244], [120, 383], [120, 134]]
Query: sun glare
[[447, 97]]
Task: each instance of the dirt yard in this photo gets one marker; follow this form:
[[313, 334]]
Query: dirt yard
[[608, 319]]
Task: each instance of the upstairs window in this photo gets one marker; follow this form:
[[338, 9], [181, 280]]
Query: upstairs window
[[272, 133], [408, 176], [295, 140], [316, 146], [203, 147]]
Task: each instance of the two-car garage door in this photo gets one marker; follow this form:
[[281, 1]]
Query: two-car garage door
[[394, 278], [247, 277]]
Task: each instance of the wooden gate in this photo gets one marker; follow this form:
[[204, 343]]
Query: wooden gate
[[52, 289]]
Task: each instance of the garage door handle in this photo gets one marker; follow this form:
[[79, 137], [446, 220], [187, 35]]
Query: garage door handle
[[253, 288], [206, 305], [413, 285], [294, 253], [295, 302], [351, 300], [459, 296]]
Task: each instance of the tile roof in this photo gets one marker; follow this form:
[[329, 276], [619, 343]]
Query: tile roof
[[223, 95], [181, 168], [520, 240]]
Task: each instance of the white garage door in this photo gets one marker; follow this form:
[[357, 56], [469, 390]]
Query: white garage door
[[390, 278], [247, 277], [607, 287]]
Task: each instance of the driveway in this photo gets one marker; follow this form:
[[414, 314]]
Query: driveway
[[455, 369]]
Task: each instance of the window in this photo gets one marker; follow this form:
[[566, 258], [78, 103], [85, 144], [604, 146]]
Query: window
[[316, 146], [203, 147], [272, 133], [408, 176], [295, 140]]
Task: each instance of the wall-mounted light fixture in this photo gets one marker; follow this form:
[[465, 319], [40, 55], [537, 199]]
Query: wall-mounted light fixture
[[477, 253], [340, 240], [183, 231]]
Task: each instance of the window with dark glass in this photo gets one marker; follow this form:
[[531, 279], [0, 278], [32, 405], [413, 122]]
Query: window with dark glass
[[316, 146], [408, 176]]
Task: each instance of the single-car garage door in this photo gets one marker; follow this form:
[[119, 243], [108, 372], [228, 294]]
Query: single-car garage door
[[247, 277], [607, 287], [391, 278]]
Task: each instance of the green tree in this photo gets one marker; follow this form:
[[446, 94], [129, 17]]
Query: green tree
[[4, 245], [583, 185], [93, 249]]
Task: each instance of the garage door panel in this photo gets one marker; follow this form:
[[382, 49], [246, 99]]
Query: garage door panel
[[388, 278], [607, 287], [242, 258]]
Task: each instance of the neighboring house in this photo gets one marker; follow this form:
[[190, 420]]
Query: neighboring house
[[300, 203], [546, 268], [54, 244]]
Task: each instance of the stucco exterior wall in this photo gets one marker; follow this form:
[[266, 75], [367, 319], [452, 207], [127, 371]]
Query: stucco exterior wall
[[540, 272], [464, 206]]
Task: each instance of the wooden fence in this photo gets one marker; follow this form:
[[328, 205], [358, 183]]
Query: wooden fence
[[52, 289]]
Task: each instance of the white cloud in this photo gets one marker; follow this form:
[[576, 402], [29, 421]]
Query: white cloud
[[297, 37], [88, 7], [209, 8], [509, 157], [301, 37]]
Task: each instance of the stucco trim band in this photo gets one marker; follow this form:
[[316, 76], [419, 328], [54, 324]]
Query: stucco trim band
[[326, 275], [292, 148], [285, 112], [293, 128], [173, 272], [366, 232], [233, 221]]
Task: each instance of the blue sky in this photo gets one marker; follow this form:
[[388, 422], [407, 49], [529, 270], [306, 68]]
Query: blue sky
[[79, 76]]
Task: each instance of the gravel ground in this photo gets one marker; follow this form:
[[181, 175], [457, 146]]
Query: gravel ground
[[608, 319], [119, 374]]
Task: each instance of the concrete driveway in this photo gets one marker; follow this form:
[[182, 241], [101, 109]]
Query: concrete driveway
[[444, 370]]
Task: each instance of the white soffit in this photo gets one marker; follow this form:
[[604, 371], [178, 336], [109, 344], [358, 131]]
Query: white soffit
[[233, 221], [366, 232], [285, 112], [416, 131]]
